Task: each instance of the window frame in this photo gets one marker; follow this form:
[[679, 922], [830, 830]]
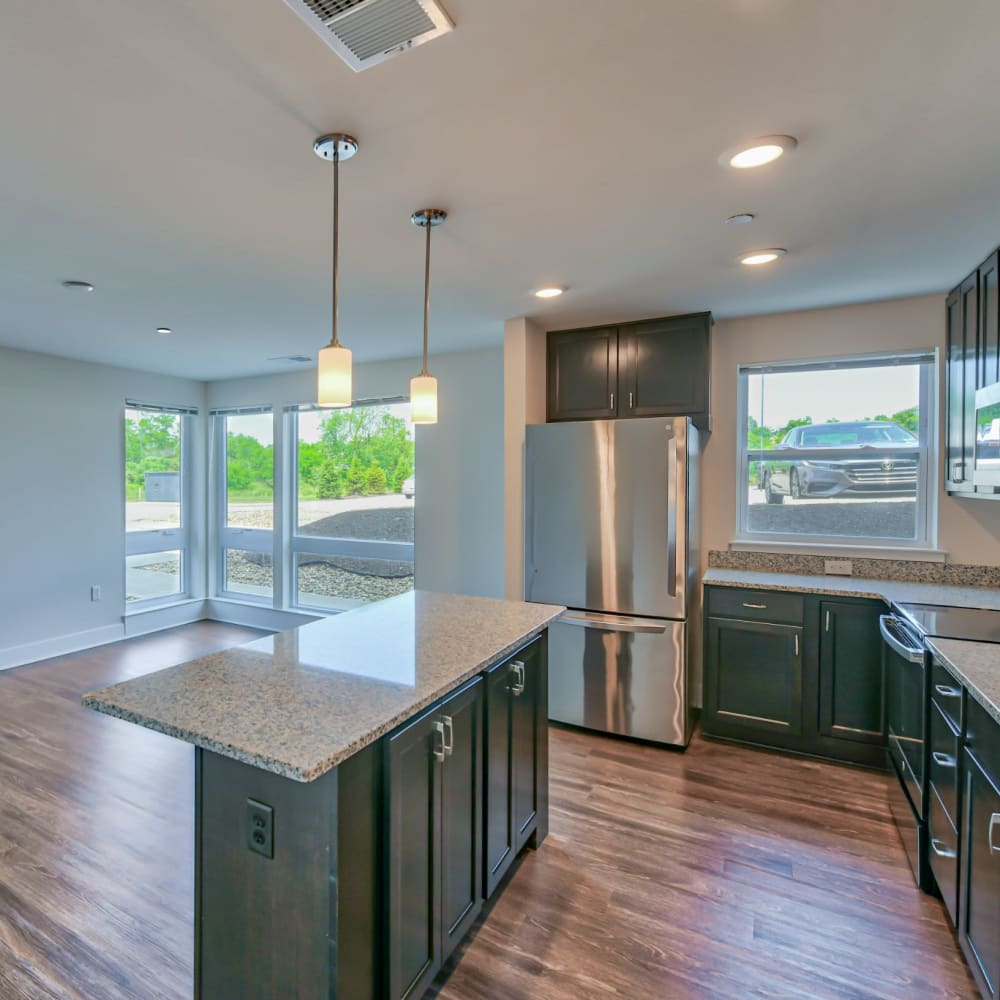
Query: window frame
[[163, 539], [319, 545], [927, 462]]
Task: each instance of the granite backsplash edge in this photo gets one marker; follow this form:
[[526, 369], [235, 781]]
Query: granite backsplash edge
[[900, 570]]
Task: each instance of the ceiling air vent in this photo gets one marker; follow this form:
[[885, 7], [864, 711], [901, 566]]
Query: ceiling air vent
[[366, 32]]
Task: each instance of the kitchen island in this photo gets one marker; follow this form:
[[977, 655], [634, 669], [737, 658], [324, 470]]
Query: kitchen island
[[363, 783]]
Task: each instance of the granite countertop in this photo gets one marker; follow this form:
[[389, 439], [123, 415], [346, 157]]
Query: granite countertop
[[300, 702], [890, 591], [976, 665]]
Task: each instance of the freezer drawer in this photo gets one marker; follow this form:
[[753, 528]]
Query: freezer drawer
[[620, 675]]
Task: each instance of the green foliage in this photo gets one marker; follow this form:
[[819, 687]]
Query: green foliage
[[355, 477], [249, 468], [375, 480], [152, 444], [330, 482], [402, 472]]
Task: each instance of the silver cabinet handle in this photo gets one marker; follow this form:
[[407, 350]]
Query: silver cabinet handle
[[796, 643], [612, 401], [948, 692], [994, 820], [630, 406], [942, 850], [944, 759], [959, 476], [828, 621], [761, 607], [439, 751], [517, 669], [447, 735]]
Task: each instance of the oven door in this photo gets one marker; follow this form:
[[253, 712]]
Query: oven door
[[906, 704]]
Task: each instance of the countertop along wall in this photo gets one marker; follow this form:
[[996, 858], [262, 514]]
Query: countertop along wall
[[459, 528], [968, 530], [62, 498]]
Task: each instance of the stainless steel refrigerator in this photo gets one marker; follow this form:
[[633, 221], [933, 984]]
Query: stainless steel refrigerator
[[611, 532]]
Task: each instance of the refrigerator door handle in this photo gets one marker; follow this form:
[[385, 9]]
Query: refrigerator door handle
[[606, 623], [672, 516]]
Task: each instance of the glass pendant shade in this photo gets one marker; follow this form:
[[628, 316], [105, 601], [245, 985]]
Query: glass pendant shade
[[424, 399], [334, 377]]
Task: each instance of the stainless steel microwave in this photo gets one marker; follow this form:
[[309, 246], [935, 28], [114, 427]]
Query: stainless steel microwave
[[986, 455]]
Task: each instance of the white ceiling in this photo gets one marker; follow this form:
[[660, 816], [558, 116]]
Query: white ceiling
[[162, 150]]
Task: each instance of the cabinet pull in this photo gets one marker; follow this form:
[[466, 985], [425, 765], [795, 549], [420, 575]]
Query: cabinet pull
[[959, 476], [942, 850], [828, 621], [517, 669], [630, 406], [947, 692], [796, 643], [760, 607], [612, 401], [439, 751], [994, 820], [447, 735], [944, 759]]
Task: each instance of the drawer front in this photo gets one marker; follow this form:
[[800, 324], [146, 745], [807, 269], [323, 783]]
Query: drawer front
[[943, 841], [944, 761], [947, 692], [755, 605]]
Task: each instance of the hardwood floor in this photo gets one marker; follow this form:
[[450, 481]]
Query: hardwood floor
[[721, 872]]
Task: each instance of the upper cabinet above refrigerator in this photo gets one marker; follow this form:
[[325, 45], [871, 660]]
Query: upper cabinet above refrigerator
[[653, 368]]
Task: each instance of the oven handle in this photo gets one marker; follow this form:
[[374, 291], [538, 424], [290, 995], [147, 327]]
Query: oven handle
[[888, 625]]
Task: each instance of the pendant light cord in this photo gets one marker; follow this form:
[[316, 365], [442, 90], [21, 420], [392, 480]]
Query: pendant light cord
[[335, 340], [427, 294]]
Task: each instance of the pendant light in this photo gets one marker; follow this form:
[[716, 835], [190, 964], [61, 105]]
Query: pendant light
[[423, 387], [333, 380]]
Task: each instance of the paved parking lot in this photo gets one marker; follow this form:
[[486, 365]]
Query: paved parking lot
[[892, 517]]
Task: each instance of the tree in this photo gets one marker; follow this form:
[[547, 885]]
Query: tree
[[330, 482], [355, 477], [375, 480]]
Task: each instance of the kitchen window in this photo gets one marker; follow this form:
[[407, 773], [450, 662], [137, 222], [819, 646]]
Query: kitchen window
[[352, 536], [156, 504], [838, 452]]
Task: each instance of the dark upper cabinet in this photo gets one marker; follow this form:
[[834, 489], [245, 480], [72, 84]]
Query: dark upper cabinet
[[989, 321], [583, 374], [433, 863], [850, 672], [960, 399], [653, 368], [753, 679]]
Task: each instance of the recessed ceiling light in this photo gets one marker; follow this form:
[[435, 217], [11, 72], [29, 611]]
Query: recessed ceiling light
[[741, 219], [754, 258], [757, 152], [163, 329], [550, 292], [78, 286]]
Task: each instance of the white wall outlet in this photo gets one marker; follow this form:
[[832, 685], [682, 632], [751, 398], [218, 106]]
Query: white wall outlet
[[838, 567], [95, 593]]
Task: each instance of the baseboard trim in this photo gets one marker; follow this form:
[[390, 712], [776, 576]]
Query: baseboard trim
[[255, 616], [157, 619], [45, 649]]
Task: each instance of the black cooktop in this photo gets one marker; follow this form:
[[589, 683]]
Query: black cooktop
[[975, 624]]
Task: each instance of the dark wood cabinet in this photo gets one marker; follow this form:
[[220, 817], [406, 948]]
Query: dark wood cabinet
[[850, 672], [989, 321], [515, 715], [651, 368], [753, 679], [798, 672], [433, 828]]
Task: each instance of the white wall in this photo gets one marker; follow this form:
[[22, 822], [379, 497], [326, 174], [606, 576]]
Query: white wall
[[459, 543], [968, 530], [62, 507]]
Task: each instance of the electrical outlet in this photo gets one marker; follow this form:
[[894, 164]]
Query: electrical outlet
[[260, 828], [95, 593], [838, 567]]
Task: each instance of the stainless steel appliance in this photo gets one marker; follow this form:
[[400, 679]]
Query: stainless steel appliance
[[610, 531], [907, 685]]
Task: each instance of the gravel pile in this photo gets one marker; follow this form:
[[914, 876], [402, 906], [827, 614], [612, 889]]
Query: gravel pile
[[878, 519]]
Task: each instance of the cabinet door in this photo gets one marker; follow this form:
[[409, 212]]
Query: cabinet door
[[524, 743], [753, 679], [980, 889], [499, 803], [989, 321], [583, 374], [963, 326], [461, 815], [850, 672], [665, 367], [413, 861]]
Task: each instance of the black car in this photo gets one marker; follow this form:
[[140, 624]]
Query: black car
[[884, 474]]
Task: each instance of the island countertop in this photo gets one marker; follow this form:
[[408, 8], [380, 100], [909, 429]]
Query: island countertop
[[300, 702]]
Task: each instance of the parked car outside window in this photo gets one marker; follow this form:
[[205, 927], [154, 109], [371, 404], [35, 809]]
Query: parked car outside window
[[408, 488]]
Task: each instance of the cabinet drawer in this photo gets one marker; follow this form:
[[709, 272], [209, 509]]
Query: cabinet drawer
[[944, 761], [947, 693], [943, 852], [755, 605]]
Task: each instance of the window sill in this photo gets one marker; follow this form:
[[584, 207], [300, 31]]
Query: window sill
[[138, 608], [836, 550]]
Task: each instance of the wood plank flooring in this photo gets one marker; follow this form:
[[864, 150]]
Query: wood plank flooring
[[722, 872]]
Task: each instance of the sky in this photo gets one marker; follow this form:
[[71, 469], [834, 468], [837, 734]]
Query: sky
[[848, 394]]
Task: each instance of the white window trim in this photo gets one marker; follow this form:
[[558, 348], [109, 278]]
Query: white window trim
[[165, 539], [925, 542]]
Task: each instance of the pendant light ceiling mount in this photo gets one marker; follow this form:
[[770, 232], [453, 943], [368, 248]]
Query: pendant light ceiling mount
[[338, 144], [428, 217]]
